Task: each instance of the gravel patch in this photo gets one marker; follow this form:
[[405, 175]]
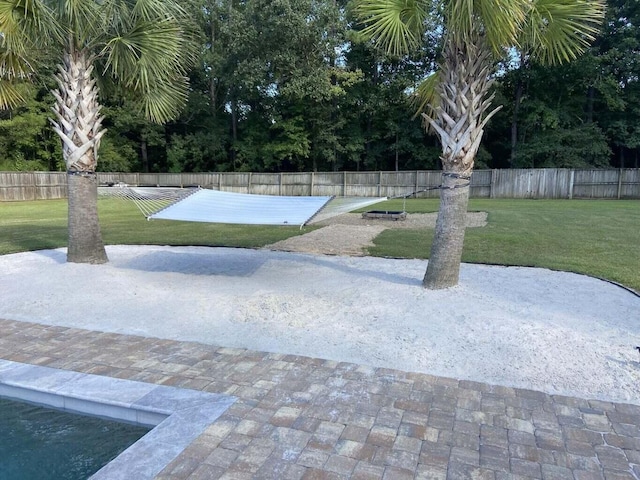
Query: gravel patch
[[350, 234]]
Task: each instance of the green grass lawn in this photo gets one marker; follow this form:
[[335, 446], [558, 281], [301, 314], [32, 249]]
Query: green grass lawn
[[600, 238], [595, 237]]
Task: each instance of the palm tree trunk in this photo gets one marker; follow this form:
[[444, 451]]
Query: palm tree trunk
[[85, 240], [78, 123], [459, 123], [446, 250]]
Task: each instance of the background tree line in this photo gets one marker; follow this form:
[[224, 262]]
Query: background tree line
[[291, 85]]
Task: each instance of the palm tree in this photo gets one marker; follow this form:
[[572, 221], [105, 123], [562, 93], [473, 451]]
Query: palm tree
[[139, 45], [456, 100]]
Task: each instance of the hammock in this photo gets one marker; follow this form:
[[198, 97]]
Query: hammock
[[214, 206]]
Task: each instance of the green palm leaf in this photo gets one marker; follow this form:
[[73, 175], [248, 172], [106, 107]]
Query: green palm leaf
[[149, 60], [426, 98], [502, 21], [559, 30], [26, 25], [13, 65], [165, 100], [146, 53], [156, 9], [82, 20], [10, 97], [397, 25], [119, 13], [497, 22]]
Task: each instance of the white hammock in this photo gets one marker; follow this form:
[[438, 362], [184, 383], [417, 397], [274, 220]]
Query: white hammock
[[213, 206]]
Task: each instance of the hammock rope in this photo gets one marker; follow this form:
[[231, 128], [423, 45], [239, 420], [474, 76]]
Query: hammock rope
[[341, 205], [149, 200]]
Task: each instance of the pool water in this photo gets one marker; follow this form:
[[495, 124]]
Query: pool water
[[39, 443]]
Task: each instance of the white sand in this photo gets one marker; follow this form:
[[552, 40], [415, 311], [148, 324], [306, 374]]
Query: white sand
[[552, 331]]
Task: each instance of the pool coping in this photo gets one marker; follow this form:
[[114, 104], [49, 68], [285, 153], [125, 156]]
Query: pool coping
[[178, 416]]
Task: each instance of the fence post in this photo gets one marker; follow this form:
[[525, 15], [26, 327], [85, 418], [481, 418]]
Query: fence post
[[249, 183], [415, 195], [344, 184], [35, 186], [384, 184], [571, 180], [492, 183], [620, 173], [280, 186], [311, 183]]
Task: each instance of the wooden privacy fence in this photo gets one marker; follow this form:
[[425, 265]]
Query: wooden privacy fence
[[516, 183]]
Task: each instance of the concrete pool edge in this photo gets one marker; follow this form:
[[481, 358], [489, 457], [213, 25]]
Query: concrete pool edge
[[178, 416]]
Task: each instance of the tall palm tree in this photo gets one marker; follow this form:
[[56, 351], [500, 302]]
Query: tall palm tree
[[139, 45], [456, 100]]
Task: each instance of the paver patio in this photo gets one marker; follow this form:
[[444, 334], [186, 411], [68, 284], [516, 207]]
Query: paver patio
[[306, 418]]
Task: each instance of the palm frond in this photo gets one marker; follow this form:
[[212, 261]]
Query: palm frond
[[26, 25], [165, 100], [13, 65], [148, 10], [119, 14], [15, 13], [559, 30], [460, 18], [498, 22], [146, 53], [82, 20], [396, 25], [151, 60], [502, 21], [10, 96], [74, 11], [427, 98]]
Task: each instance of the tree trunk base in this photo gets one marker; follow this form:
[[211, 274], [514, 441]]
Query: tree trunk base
[[85, 239], [443, 269]]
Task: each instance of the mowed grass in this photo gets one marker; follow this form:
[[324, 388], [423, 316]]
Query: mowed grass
[[600, 238]]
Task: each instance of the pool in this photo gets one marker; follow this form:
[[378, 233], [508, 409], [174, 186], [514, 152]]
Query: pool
[[39, 443], [176, 416]]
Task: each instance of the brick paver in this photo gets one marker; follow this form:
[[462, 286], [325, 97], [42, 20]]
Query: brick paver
[[306, 418]]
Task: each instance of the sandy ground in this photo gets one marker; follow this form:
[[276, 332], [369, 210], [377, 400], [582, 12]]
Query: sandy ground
[[557, 332]]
